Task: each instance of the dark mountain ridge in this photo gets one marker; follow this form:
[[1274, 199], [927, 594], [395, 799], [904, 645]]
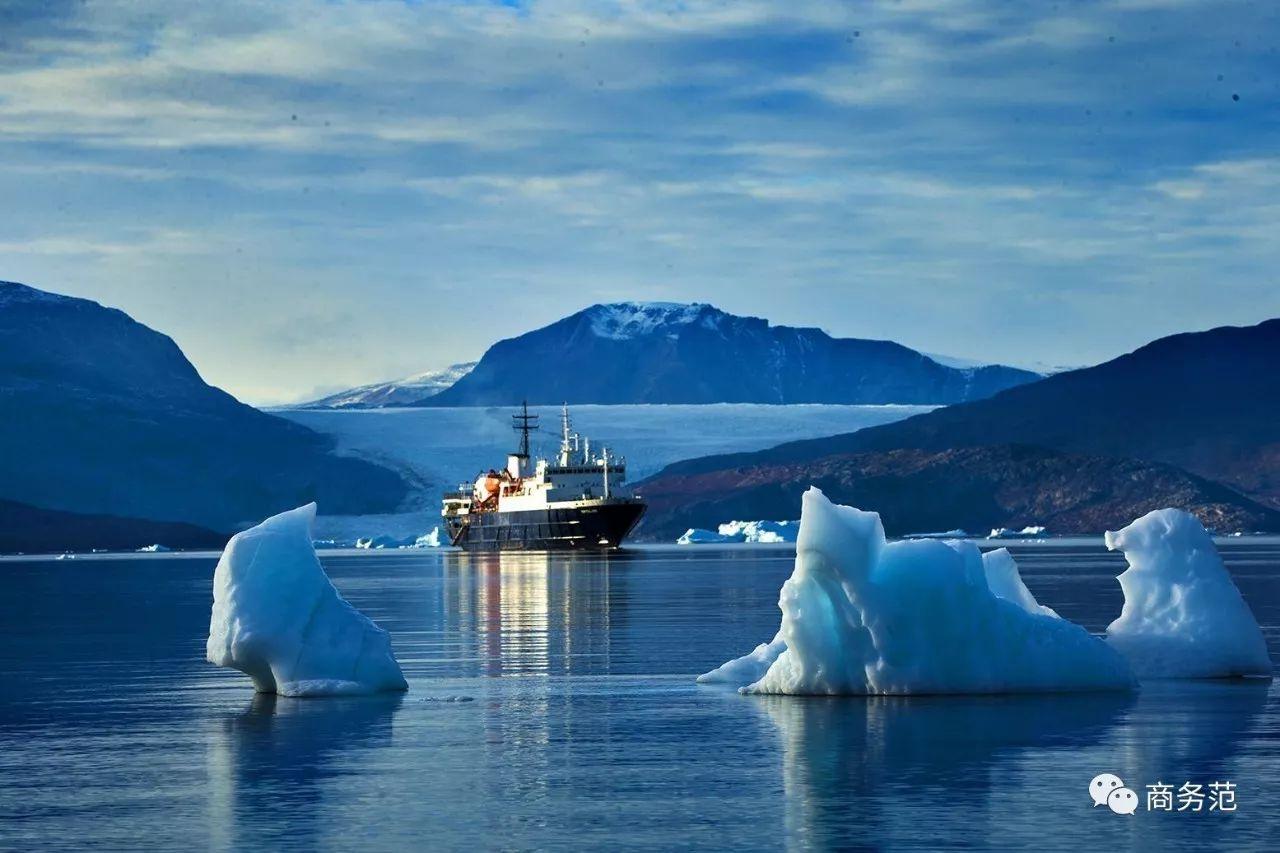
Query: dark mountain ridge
[[1207, 403], [105, 416], [696, 353]]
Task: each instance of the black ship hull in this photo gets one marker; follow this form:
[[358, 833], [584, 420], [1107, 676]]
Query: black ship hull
[[553, 529]]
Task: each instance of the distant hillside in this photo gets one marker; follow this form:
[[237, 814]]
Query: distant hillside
[[674, 353], [30, 530], [1206, 402], [398, 392], [105, 416], [974, 489]]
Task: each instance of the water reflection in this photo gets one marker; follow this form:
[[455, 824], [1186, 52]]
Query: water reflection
[[532, 612], [881, 752], [269, 765]]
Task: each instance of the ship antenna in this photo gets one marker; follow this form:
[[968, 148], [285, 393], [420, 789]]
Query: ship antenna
[[525, 423]]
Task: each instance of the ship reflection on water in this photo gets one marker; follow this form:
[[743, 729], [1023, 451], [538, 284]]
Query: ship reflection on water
[[527, 618]]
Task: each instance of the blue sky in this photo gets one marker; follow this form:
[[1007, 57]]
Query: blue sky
[[309, 195]]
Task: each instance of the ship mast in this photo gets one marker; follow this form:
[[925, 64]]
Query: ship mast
[[525, 423], [566, 438]]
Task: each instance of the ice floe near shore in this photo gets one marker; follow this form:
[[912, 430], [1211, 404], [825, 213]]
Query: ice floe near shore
[[1183, 616], [753, 532], [864, 616], [278, 619]]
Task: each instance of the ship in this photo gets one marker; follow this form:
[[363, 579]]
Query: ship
[[579, 501]]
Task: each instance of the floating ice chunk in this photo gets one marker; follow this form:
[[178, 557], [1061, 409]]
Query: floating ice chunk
[[750, 667], [1009, 533], [428, 540], [153, 549], [698, 536], [761, 531], [1183, 616], [863, 616], [754, 532], [1005, 582], [945, 534], [278, 619]]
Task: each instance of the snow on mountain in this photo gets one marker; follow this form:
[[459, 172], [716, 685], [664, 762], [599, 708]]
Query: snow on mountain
[[665, 352], [622, 321], [397, 392]]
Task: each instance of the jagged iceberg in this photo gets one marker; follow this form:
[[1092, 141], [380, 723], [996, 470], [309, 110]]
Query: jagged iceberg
[[278, 619], [1183, 616], [754, 532], [863, 616]]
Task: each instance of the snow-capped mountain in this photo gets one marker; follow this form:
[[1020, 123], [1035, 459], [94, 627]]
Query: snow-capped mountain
[[104, 417], [397, 392], [663, 352]]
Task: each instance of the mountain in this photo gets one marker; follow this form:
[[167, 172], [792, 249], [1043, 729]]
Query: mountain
[[398, 392], [659, 352], [30, 530], [1207, 402], [104, 416], [971, 488]]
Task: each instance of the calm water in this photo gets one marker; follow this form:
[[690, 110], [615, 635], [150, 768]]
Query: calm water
[[552, 705]]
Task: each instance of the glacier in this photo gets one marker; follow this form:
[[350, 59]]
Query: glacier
[[1183, 616], [277, 618], [754, 532], [864, 616]]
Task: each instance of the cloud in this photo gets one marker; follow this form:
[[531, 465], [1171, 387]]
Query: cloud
[[918, 170]]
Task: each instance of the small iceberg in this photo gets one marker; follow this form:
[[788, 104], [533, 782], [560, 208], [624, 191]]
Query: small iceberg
[[864, 616], [943, 534], [1024, 533], [1183, 616], [153, 549], [752, 532], [382, 542], [278, 618]]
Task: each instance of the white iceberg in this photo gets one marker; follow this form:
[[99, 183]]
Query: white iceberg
[[153, 549], [944, 534], [749, 668], [1005, 582], [1024, 533], [753, 532], [863, 616], [1183, 616], [428, 540], [278, 619]]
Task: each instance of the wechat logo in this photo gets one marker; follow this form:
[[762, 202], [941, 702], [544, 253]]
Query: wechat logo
[[1107, 789]]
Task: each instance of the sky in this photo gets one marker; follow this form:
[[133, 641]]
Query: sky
[[311, 195]]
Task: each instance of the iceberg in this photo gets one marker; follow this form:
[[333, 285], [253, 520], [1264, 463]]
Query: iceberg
[[1005, 582], [277, 618], [1183, 616], [754, 532], [944, 534], [1009, 533], [864, 616], [428, 540], [382, 542], [153, 549], [749, 668]]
